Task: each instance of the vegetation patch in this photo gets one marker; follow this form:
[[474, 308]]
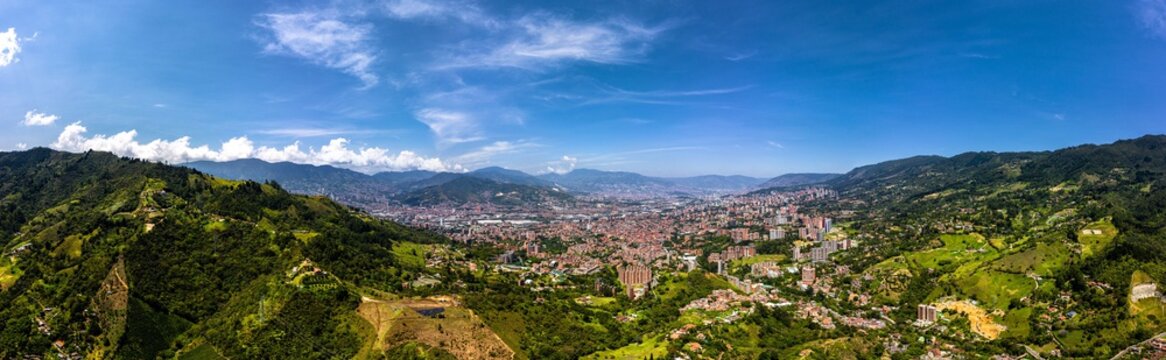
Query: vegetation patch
[[650, 347], [418, 351], [439, 323], [749, 261], [9, 273], [1043, 259], [1096, 236], [202, 352], [996, 289], [410, 255], [981, 321]]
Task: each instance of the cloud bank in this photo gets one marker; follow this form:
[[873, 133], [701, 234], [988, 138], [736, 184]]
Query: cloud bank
[[337, 152]]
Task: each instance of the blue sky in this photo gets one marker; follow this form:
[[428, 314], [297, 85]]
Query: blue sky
[[665, 88]]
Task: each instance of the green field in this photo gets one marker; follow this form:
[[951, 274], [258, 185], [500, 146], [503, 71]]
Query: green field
[[8, 276], [994, 289], [749, 261], [203, 352], [597, 301], [410, 255], [649, 347], [1018, 324], [956, 249], [1043, 259], [509, 326], [1093, 243]]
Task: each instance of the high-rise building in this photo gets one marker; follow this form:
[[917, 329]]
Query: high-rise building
[[925, 313], [808, 275], [636, 279], [819, 254]]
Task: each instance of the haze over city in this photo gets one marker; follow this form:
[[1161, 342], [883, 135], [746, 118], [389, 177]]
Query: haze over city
[[663, 88]]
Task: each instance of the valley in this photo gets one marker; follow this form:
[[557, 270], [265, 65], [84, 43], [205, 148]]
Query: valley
[[943, 257]]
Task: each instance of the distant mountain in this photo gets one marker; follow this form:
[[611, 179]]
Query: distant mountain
[[341, 184], [1133, 160], [796, 180], [622, 183], [610, 182], [508, 176], [475, 190], [718, 182], [403, 177], [364, 190]]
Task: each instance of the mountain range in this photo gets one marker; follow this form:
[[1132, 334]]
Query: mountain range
[[412, 187]]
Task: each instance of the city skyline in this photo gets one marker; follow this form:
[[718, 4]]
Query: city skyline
[[656, 88]]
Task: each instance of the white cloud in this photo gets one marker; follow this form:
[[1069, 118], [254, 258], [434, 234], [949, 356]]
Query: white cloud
[[433, 9], [542, 39], [1152, 16], [337, 152], [324, 40], [484, 154], [21, 146], [611, 94], [774, 144], [562, 165], [34, 118], [735, 57], [450, 127], [9, 47]]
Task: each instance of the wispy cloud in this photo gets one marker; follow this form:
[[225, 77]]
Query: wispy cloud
[[981, 56], [486, 153], [450, 127], [774, 144], [541, 39], [35, 118], [624, 157], [9, 47], [663, 149], [337, 152], [433, 9], [735, 57], [1151, 15], [611, 94], [323, 38]]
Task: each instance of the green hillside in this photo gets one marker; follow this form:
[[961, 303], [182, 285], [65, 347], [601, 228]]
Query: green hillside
[[1044, 242], [108, 257], [474, 190]]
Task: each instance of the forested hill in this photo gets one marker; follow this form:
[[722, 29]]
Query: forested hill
[[1050, 243], [1140, 160], [108, 257], [473, 190]]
